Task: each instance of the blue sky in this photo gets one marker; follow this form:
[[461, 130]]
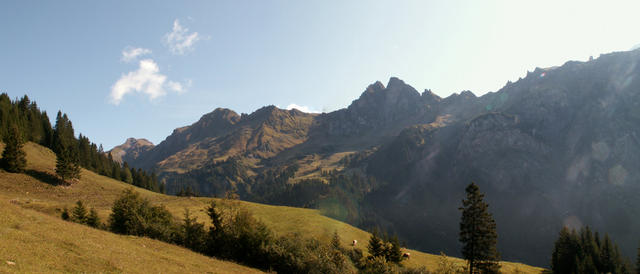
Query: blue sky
[[195, 56]]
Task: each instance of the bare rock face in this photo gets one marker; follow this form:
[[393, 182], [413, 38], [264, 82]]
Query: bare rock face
[[130, 150], [558, 147]]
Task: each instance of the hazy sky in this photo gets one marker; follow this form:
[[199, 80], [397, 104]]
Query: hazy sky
[[142, 68]]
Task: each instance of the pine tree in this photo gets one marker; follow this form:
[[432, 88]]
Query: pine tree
[[335, 241], [67, 162], [478, 233], [67, 166], [13, 157], [92, 219], [193, 234], [376, 246], [79, 213]]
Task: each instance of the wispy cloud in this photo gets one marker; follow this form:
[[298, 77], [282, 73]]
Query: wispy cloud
[[179, 40], [302, 108], [130, 53], [147, 79]]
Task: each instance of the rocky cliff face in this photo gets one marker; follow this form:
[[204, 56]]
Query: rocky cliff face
[[558, 147], [130, 150], [223, 133]]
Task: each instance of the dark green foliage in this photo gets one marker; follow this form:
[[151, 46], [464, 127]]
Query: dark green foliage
[[79, 213], [387, 247], [133, 215], [65, 214], [335, 241], [478, 233], [67, 162], [92, 219], [192, 234], [582, 252], [13, 157], [67, 165], [376, 246], [188, 192], [34, 126], [242, 238]]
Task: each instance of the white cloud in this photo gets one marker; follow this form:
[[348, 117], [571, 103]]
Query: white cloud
[[130, 53], [175, 86], [147, 80], [302, 108], [179, 39]]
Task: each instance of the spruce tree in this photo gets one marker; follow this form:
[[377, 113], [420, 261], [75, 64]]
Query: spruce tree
[[335, 241], [67, 166], [65, 147], [13, 157], [92, 219], [478, 233], [376, 246], [79, 213]]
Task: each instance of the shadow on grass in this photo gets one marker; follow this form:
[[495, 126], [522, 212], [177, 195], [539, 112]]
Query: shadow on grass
[[45, 177]]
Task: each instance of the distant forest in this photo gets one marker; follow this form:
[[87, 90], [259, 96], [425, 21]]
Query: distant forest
[[34, 125]]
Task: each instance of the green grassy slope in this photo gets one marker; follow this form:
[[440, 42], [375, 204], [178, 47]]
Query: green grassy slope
[[36, 242], [30, 191]]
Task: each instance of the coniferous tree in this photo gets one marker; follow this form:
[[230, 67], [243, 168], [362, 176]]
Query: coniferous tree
[[65, 214], [67, 165], [92, 219], [335, 241], [394, 251], [193, 234], [376, 246], [478, 233], [79, 213], [13, 157], [67, 162], [581, 252]]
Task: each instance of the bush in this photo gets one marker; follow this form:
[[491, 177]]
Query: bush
[[133, 215]]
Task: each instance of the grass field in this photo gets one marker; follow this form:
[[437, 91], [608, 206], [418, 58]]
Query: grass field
[[21, 192]]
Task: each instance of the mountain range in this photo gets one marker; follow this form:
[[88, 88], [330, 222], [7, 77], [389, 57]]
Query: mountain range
[[556, 148]]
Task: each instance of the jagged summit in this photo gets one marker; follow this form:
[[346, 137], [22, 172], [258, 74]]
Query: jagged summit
[[130, 149]]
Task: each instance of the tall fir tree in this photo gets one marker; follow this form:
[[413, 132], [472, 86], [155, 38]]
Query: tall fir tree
[[376, 245], [67, 162], [67, 166], [582, 252], [478, 233], [13, 157]]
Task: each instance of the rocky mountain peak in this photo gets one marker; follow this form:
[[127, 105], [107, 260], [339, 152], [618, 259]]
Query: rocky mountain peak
[[130, 149]]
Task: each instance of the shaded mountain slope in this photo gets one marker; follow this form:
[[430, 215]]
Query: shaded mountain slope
[[557, 147], [24, 199]]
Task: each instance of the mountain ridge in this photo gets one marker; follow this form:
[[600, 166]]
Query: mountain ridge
[[543, 149]]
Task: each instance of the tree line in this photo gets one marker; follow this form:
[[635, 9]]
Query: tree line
[[22, 121]]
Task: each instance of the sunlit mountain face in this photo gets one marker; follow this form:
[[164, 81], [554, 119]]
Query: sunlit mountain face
[[556, 148]]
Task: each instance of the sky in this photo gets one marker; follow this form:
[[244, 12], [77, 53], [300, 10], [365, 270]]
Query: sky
[[140, 69]]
